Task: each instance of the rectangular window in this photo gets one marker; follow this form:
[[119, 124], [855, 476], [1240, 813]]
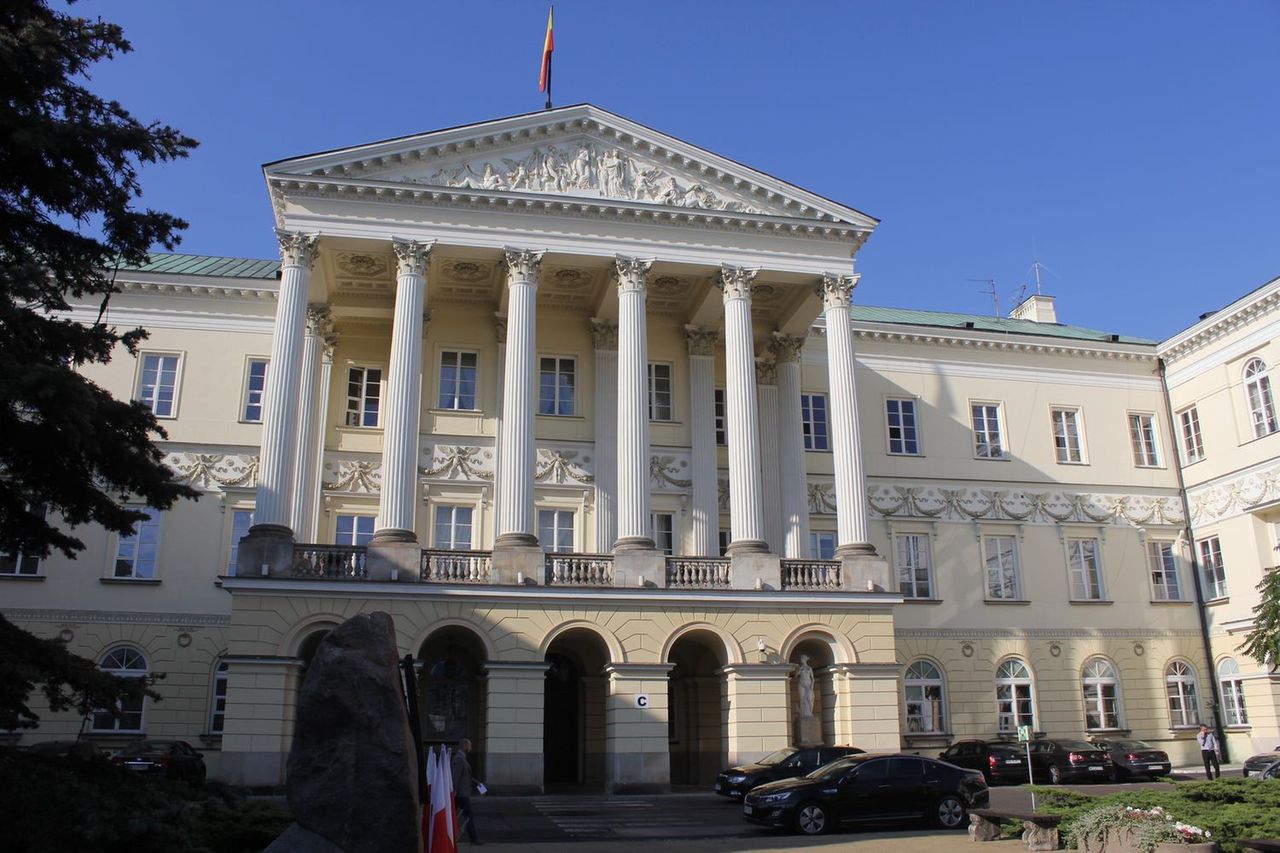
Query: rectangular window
[[354, 530], [1066, 436], [813, 417], [988, 443], [241, 521], [255, 388], [722, 431], [912, 552], [555, 530], [722, 540], [453, 528], [17, 563], [218, 712], [822, 544], [364, 396], [1000, 555], [557, 379], [136, 553], [659, 392], [904, 436], [1142, 432], [158, 384], [457, 380], [1215, 574], [662, 531], [1086, 574], [1164, 572], [1192, 442]]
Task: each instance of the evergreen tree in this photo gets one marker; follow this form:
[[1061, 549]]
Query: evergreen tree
[[1263, 642], [69, 164]]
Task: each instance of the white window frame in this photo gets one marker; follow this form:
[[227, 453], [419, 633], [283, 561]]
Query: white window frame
[[903, 428], [1098, 678], [363, 399], [1162, 562], [1192, 437], [357, 537], [1212, 568], [126, 658], [454, 543], [665, 544], [816, 540], [1008, 575], [251, 396], [17, 564], [1068, 448], [233, 545], [218, 697], [1085, 581], [134, 542], [809, 424], [1144, 434], [1018, 683], [151, 400], [1258, 397], [556, 389], [923, 684], [720, 417], [455, 404], [992, 425], [913, 556], [1232, 686], [557, 527], [651, 390], [1182, 694]]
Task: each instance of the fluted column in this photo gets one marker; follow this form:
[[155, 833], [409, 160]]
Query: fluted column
[[793, 490], [633, 405], [397, 506], [604, 333], [771, 498], [746, 516], [846, 438], [516, 452], [313, 397], [272, 513], [705, 509]]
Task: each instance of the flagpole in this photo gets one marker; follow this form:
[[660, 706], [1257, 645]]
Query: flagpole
[[548, 106]]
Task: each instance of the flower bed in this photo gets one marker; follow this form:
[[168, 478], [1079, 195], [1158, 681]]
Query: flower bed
[[1125, 829]]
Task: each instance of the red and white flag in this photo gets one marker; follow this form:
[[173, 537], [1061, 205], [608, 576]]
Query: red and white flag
[[442, 833]]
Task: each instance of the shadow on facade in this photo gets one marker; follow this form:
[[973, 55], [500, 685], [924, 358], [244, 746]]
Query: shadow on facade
[[696, 733], [451, 691], [573, 721]]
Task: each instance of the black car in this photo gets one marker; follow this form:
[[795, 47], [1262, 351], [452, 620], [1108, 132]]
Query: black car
[[1271, 771], [81, 750], [1257, 763], [1134, 758], [998, 762], [783, 764], [1058, 761], [172, 759], [866, 788]]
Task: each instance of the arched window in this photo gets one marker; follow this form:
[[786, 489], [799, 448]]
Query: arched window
[[1101, 695], [218, 705], [1232, 692], [1257, 392], [1015, 702], [922, 690], [125, 662], [1180, 686]]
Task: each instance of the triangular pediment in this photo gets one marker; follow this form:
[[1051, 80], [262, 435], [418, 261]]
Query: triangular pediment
[[581, 152]]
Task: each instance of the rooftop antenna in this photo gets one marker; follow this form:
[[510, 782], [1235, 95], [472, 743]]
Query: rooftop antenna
[[990, 291], [1035, 271]]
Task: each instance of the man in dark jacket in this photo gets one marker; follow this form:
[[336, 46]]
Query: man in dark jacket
[[462, 785]]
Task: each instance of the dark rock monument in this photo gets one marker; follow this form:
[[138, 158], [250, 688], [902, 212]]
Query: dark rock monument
[[352, 783]]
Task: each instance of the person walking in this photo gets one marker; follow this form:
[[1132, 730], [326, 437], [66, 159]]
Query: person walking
[[1209, 752], [462, 786]]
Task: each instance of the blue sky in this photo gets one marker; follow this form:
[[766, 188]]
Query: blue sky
[[1134, 147]]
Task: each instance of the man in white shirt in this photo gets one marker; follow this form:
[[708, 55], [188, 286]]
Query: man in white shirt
[[1209, 752]]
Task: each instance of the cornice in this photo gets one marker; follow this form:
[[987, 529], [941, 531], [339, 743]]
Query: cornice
[[166, 285], [1008, 372], [115, 617], [1220, 324], [1008, 342], [1042, 633]]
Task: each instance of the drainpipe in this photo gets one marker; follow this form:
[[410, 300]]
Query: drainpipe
[[1214, 687]]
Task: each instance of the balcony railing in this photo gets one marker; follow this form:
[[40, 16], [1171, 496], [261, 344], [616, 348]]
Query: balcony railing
[[329, 561], [697, 572], [456, 566], [579, 570], [810, 574]]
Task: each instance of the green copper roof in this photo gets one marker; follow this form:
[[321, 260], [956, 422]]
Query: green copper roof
[[981, 323], [164, 262]]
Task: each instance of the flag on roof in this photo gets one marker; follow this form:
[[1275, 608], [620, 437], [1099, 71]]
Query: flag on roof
[[548, 46]]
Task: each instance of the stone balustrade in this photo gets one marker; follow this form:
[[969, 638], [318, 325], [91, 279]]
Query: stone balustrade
[[329, 562], [456, 567], [811, 574], [698, 572], [579, 570]]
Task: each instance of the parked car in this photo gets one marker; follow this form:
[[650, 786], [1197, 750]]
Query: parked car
[[1134, 758], [785, 763], [1257, 763], [869, 788], [1063, 760], [83, 750], [173, 759], [1271, 771], [998, 762]]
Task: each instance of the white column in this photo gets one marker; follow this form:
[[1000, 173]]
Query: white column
[[794, 481], [633, 406], [846, 440], [771, 497], [500, 335], [397, 506], [280, 404], [313, 396], [746, 516], [516, 452], [605, 335], [705, 509]]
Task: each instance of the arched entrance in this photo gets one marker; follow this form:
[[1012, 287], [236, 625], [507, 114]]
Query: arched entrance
[[695, 723], [573, 710], [820, 654], [451, 695]]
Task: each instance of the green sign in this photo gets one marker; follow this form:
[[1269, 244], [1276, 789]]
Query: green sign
[[1024, 734]]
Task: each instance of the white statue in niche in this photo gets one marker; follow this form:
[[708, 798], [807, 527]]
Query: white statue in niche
[[804, 680]]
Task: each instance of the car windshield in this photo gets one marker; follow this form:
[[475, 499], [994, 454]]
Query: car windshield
[[999, 749], [835, 769], [778, 757], [1128, 744], [1076, 744]]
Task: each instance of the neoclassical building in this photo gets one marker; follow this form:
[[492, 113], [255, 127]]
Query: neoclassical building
[[598, 417]]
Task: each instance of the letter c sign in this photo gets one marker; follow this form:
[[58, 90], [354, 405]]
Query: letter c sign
[[642, 700]]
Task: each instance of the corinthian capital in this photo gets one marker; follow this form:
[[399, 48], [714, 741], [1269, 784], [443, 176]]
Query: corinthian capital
[[630, 273], [786, 348], [836, 290], [523, 265], [297, 249], [412, 257], [701, 341], [604, 333], [319, 320], [766, 372], [735, 282]]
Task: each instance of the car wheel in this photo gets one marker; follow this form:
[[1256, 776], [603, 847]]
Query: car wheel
[[950, 812], [1055, 775], [1115, 774], [811, 819]]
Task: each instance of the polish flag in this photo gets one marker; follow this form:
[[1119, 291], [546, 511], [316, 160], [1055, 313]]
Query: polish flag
[[443, 835]]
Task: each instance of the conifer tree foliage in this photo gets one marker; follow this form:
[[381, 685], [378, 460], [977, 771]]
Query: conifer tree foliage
[[69, 163], [1262, 643]]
